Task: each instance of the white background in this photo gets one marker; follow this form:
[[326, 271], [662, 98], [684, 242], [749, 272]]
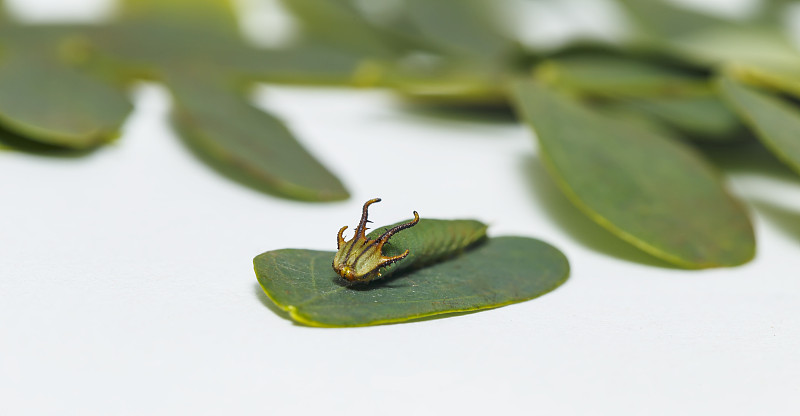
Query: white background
[[126, 282]]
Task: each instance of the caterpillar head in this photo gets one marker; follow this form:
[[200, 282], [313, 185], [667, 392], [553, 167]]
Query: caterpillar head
[[360, 259]]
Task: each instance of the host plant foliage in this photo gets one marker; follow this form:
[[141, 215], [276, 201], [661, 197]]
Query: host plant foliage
[[449, 266], [616, 121]]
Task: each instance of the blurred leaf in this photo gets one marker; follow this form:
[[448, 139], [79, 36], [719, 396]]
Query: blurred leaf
[[215, 16], [784, 80], [500, 272], [681, 98], [306, 63], [340, 25], [775, 121], [153, 36], [47, 96], [460, 60], [196, 50], [223, 126], [477, 60], [652, 191], [658, 19], [710, 40], [462, 27], [615, 76], [701, 117], [766, 47], [461, 88]]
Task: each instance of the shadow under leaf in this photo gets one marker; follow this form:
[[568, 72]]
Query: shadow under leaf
[[266, 301], [786, 219], [746, 157], [14, 142], [497, 114], [575, 223]]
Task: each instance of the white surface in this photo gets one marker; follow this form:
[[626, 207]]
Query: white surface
[[127, 285]]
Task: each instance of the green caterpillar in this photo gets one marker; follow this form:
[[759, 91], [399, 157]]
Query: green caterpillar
[[367, 257]]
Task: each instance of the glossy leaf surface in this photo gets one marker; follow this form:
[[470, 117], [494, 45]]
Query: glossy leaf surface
[[499, 272], [645, 187], [775, 121]]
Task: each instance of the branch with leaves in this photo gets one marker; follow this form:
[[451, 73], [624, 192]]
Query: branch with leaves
[[617, 123]]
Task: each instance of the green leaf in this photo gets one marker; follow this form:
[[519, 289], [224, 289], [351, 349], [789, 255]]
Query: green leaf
[[220, 124], [339, 24], [645, 187], [153, 35], [702, 116], [462, 27], [307, 63], [713, 41], [500, 272], [775, 121], [213, 15], [196, 50], [48, 96], [615, 76], [664, 19], [751, 45], [783, 79], [681, 98]]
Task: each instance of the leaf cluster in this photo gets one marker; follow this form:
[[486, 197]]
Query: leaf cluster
[[618, 123]]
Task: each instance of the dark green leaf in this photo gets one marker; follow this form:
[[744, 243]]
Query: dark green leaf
[[154, 36], [214, 15], [223, 126], [203, 61], [775, 121], [650, 190], [48, 97], [307, 63], [499, 272], [462, 27]]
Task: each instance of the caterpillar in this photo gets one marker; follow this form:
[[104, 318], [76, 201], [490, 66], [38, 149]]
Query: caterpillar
[[367, 257]]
